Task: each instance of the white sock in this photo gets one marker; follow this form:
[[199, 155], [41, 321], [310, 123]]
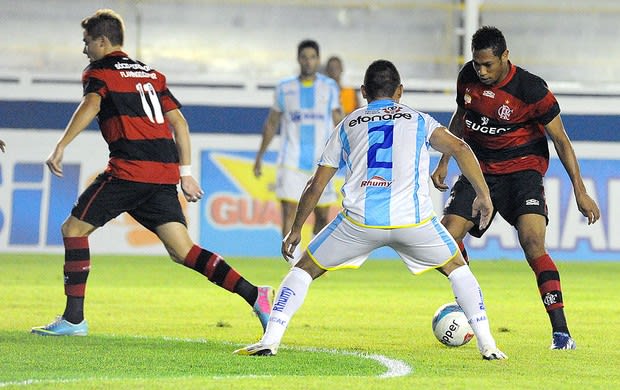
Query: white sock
[[469, 296], [288, 300], [297, 253]]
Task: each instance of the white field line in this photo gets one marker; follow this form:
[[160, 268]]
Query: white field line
[[394, 368]]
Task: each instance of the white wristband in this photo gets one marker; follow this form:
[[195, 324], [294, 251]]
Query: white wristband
[[186, 170]]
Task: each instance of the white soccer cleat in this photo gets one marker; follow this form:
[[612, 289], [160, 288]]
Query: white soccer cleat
[[493, 354], [258, 349]]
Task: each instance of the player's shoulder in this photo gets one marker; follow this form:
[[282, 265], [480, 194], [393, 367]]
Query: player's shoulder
[[287, 81], [320, 77], [411, 115], [467, 74], [287, 85], [386, 106], [527, 86], [528, 78], [390, 109], [101, 64], [404, 108], [119, 61]]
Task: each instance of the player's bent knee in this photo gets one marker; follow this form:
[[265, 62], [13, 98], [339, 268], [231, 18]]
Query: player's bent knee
[[73, 227], [179, 256], [457, 226], [306, 264], [533, 246], [175, 255], [453, 264]]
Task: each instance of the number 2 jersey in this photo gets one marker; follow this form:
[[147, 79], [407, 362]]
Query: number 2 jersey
[[384, 149], [504, 124], [134, 99]]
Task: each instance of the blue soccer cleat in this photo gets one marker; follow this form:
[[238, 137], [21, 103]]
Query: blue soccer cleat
[[262, 306], [562, 340], [61, 327]]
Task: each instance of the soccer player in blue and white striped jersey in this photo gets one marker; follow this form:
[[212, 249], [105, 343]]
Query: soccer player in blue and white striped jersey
[[384, 148], [305, 109]]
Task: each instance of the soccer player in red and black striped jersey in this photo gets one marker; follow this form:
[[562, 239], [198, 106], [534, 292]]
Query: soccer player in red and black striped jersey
[[505, 114], [149, 144]]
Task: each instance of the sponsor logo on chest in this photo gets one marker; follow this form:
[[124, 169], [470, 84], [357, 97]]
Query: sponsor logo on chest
[[376, 181]]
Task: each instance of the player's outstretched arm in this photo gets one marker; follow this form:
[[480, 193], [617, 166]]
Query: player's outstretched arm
[[438, 176], [308, 201], [448, 144], [190, 187], [82, 117], [586, 205], [269, 131]]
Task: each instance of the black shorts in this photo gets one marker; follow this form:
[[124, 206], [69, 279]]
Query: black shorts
[[513, 195], [107, 197]]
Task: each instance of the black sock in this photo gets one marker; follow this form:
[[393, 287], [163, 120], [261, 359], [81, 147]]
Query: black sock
[[74, 311], [220, 273], [558, 320], [247, 290]]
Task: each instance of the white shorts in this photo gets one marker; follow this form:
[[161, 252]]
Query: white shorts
[[290, 183], [343, 244]]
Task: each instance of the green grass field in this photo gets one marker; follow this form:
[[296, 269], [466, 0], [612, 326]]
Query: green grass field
[[155, 324]]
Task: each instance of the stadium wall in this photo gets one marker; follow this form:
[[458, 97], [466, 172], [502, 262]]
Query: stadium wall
[[226, 124]]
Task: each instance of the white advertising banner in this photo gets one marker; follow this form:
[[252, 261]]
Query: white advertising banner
[[239, 215]]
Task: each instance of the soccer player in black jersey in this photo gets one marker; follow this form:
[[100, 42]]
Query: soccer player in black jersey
[[136, 113], [505, 114]]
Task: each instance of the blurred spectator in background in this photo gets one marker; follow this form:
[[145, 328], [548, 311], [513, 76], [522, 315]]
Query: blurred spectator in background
[[348, 96]]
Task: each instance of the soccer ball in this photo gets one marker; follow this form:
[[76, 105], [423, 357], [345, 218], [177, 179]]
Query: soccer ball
[[450, 325]]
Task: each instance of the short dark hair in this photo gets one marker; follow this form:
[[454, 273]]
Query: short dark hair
[[489, 37], [334, 58], [381, 79], [105, 23], [306, 44]]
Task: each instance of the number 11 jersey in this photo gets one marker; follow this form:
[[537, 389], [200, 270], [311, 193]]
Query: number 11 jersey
[[134, 99]]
